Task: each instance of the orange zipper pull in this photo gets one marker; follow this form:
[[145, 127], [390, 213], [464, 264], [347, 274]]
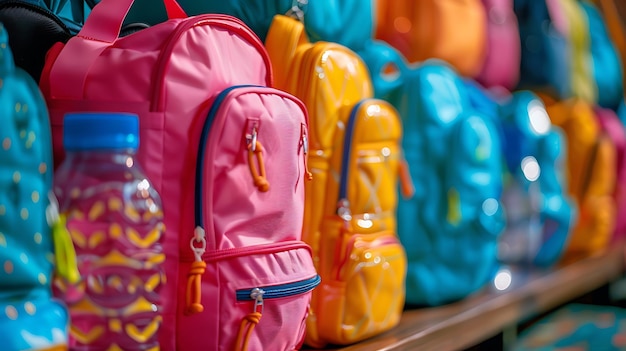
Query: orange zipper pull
[[255, 149], [194, 276]]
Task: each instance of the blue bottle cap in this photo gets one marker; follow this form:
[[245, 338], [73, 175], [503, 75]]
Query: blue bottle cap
[[100, 130]]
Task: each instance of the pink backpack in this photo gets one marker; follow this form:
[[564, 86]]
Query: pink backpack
[[613, 127], [226, 152], [502, 63]]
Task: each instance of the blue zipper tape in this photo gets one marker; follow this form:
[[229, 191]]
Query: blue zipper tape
[[206, 128], [347, 148], [283, 290]]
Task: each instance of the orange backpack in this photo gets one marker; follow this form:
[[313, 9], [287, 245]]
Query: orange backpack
[[591, 171], [452, 30]]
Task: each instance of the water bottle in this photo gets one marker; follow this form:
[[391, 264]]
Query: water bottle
[[115, 219]]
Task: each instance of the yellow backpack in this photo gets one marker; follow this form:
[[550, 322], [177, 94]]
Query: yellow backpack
[[350, 203], [591, 171]]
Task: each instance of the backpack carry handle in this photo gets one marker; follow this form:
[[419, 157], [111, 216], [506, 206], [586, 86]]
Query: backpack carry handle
[[388, 67], [105, 20], [283, 38], [101, 29]]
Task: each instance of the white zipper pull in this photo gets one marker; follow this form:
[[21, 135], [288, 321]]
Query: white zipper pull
[[305, 151], [257, 295]]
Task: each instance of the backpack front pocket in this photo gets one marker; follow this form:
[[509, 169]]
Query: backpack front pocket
[[254, 298], [366, 296]]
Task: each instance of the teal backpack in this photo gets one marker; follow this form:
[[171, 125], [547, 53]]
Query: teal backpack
[[347, 22], [451, 225], [30, 319]]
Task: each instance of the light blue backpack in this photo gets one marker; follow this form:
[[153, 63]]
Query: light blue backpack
[[30, 319], [450, 227], [538, 209]]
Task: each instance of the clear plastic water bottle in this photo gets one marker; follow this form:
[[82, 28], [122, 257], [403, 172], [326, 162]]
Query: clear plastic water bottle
[[115, 218]]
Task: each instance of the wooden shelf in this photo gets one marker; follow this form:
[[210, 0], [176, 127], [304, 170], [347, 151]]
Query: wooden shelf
[[463, 324]]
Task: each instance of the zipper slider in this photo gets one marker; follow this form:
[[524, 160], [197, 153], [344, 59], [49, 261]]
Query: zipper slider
[[250, 321], [305, 151], [257, 295], [343, 211]]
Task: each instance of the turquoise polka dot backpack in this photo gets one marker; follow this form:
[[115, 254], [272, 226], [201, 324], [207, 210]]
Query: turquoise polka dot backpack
[[30, 319]]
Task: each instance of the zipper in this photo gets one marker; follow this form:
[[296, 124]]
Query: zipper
[[259, 294], [217, 20], [343, 205], [345, 157], [206, 128], [40, 10], [203, 150]]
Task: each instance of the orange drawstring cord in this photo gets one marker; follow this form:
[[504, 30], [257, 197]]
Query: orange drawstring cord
[[260, 180], [193, 294], [309, 175], [194, 278], [245, 330]]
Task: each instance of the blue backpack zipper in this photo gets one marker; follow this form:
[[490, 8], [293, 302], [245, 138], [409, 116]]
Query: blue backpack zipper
[[278, 291], [206, 128], [347, 148]]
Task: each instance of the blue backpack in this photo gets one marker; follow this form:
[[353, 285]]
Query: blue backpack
[[538, 209], [30, 319], [450, 227]]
